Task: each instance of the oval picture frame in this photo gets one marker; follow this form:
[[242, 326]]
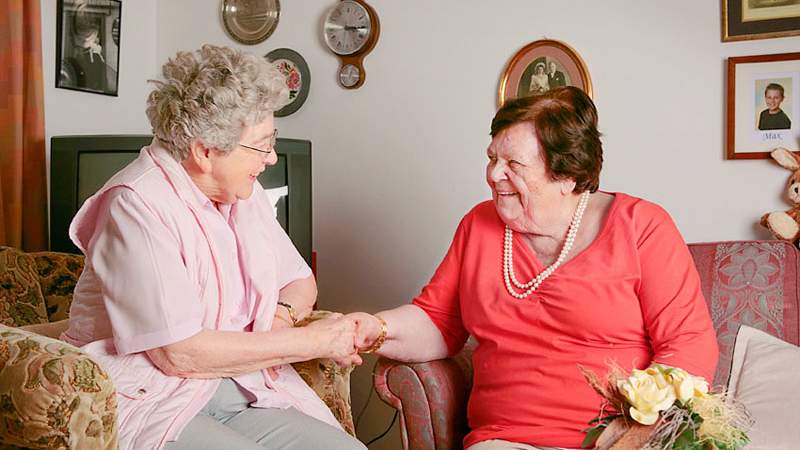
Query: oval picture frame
[[298, 78], [250, 22], [521, 76]]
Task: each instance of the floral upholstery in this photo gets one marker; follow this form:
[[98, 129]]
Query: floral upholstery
[[750, 283], [65, 398], [52, 395], [58, 273], [744, 282], [21, 300]]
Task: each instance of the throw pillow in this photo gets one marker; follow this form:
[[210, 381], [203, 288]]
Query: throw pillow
[[764, 377]]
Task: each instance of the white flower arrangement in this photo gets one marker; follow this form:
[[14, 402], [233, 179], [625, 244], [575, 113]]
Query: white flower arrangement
[[678, 406]]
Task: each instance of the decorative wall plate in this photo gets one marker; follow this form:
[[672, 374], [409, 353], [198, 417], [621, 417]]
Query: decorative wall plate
[[250, 21], [298, 78]]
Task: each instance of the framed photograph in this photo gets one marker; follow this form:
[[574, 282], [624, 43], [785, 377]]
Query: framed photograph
[[763, 105], [87, 45], [542, 65], [759, 19], [298, 78]]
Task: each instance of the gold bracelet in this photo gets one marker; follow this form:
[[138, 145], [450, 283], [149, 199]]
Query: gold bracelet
[[285, 320], [290, 309], [380, 339]]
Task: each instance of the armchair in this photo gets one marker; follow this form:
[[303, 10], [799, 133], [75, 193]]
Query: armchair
[[432, 397], [54, 396]]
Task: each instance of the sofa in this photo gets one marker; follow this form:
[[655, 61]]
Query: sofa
[[750, 283], [54, 396]]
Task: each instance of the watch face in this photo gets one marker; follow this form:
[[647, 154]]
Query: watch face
[[349, 75], [347, 27]]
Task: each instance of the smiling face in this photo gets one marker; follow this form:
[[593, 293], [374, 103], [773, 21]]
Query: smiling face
[[773, 99], [230, 176], [526, 197]]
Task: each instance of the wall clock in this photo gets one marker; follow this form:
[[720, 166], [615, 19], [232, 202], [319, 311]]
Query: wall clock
[[351, 30], [250, 21]]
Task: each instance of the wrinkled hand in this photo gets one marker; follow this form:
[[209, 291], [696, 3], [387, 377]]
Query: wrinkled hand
[[336, 337], [368, 328]]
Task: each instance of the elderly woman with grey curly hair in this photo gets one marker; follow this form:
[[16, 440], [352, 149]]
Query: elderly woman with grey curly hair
[[191, 286]]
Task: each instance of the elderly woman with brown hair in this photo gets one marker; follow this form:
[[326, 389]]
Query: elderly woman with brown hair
[[550, 274], [191, 287]]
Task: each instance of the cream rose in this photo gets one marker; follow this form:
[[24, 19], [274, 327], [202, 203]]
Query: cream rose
[[687, 386], [648, 392]]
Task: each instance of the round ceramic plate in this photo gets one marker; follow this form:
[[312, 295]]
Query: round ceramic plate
[[298, 78], [250, 21]]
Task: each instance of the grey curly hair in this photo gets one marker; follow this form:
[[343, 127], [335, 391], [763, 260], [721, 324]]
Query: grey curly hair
[[211, 95]]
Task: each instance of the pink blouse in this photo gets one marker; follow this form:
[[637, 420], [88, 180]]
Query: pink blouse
[[162, 263]]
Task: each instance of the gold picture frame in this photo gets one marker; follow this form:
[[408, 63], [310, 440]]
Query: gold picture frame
[[759, 19], [561, 63]]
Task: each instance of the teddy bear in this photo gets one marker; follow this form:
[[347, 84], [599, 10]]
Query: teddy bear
[[784, 224]]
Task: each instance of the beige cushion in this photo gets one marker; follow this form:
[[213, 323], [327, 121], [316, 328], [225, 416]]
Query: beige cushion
[[52, 395], [765, 377]]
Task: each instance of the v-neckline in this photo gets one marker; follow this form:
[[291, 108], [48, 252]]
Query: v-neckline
[[519, 242]]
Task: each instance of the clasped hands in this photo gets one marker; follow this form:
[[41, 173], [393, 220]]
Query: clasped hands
[[342, 337]]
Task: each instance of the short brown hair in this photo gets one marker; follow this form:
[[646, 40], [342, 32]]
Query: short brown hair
[[774, 87], [565, 122]]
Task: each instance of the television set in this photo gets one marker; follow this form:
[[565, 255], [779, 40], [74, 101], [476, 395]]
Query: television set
[[81, 165]]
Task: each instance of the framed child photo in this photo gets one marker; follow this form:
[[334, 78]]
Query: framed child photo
[[541, 66], [763, 105], [87, 45]]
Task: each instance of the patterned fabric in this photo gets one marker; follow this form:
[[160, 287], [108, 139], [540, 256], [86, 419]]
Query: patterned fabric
[[65, 398], [329, 381], [750, 283], [21, 301], [66, 395], [58, 273]]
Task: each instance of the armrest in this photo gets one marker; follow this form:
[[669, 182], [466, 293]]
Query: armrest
[[431, 398], [328, 380], [52, 395]]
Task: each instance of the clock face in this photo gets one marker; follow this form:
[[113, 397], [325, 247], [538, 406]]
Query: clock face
[[349, 75], [347, 27]]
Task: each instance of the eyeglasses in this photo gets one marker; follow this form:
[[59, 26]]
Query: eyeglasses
[[272, 140]]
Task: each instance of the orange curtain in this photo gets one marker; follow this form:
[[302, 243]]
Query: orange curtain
[[23, 178]]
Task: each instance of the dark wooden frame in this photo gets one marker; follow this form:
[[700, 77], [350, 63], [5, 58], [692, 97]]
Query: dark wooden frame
[[731, 101], [522, 57], [60, 55], [733, 29]]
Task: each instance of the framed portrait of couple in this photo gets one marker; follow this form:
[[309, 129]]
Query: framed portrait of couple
[[540, 66], [759, 19], [763, 105]]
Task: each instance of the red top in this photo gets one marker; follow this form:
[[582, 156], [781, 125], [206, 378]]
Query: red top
[[632, 296]]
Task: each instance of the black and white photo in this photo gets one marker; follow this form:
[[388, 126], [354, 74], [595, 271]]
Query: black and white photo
[[87, 45]]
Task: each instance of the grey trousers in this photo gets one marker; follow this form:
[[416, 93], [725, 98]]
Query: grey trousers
[[228, 422], [498, 444]]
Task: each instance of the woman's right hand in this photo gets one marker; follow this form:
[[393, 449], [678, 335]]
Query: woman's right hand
[[335, 338]]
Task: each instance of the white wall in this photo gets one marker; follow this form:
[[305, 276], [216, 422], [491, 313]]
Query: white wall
[[399, 161], [74, 112]]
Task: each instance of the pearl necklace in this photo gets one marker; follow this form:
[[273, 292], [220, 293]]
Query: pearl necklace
[[508, 256]]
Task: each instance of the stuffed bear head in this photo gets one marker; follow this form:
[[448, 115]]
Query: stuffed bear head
[[784, 224]]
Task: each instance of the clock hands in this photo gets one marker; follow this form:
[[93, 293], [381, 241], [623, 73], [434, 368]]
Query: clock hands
[[346, 27]]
